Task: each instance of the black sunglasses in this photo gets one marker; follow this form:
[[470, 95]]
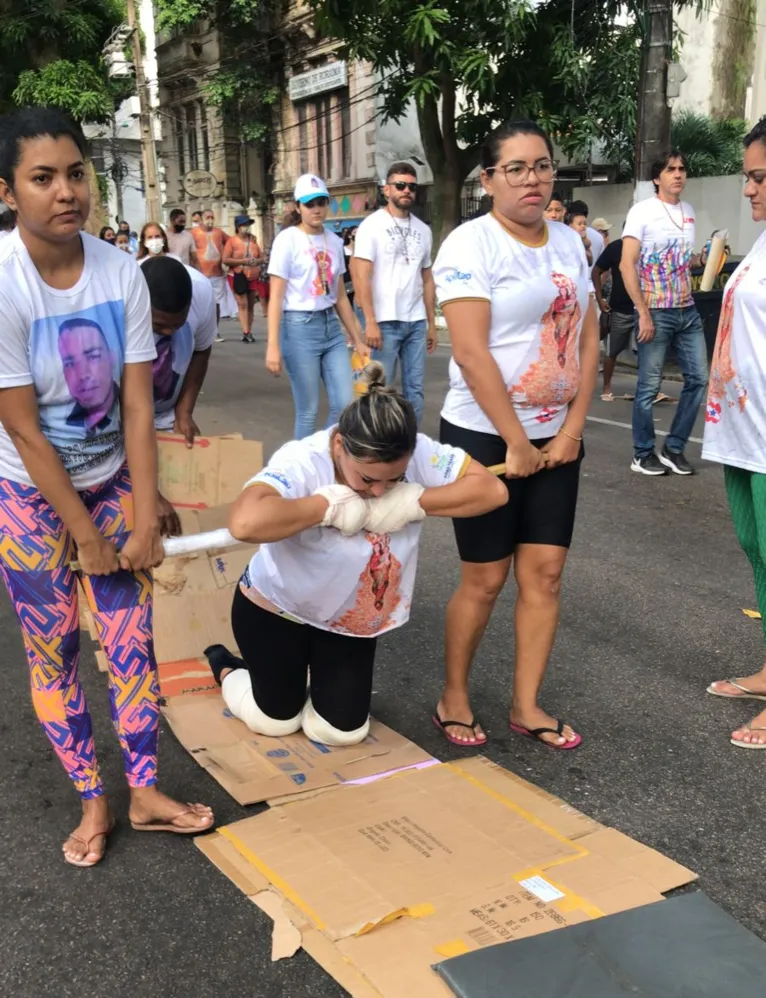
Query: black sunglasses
[[319, 202], [402, 185]]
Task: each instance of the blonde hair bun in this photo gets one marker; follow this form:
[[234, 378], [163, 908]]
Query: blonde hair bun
[[374, 375]]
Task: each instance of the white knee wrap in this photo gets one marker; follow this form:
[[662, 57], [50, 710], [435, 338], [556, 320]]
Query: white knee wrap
[[237, 692], [318, 730]]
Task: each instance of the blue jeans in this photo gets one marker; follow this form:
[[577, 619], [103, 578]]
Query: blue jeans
[[405, 343], [314, 347], [682, 329]]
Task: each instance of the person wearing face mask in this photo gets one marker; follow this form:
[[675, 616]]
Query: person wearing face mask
[[210, 242], [308, 297], [241, 255], [107, 234], [338, 517], [152, 242], [180, 241], [122, 242]]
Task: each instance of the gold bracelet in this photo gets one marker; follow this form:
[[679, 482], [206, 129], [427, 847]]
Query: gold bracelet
[[570, 435]]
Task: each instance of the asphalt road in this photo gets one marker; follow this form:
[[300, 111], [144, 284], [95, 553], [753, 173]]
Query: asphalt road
[[651, 613]]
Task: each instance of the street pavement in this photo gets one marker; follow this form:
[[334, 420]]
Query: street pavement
[[651, 613]]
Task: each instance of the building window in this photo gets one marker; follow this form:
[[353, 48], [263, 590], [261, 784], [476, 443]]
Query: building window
[[323, 131], [180, 149], [204, 134], [345, 133], [303, 136], [191, 131]]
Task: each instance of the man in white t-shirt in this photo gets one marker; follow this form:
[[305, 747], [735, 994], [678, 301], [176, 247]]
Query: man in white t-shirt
[[394, 286], [657, 248]]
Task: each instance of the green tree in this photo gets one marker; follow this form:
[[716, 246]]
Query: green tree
[[469, 64], [712, 146], [51, 53]]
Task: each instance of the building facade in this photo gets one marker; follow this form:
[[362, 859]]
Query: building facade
[[204, 163]]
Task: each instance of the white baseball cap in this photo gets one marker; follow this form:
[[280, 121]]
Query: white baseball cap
[[308, 187]]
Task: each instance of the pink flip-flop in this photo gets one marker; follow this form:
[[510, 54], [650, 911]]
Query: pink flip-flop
[[443, 725], [537, 732]]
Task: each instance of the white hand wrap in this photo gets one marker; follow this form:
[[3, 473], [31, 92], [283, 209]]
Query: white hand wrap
[[395, 509], [347, 511]]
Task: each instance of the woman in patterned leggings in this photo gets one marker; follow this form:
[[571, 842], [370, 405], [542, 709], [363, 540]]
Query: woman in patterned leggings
[[78, 471]]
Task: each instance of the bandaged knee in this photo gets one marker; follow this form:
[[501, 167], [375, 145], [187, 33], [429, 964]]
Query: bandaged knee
[[318, 730], [237, 692]]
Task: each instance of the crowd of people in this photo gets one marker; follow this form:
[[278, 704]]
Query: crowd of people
[[101, 351]]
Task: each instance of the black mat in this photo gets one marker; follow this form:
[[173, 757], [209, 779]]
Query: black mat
[[686, 947]]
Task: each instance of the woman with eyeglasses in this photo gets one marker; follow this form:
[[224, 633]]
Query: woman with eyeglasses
[[514, 290], [308, 296]]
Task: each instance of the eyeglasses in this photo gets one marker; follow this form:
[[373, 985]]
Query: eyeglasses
[[517, 173], [402, 185], [320, 202]]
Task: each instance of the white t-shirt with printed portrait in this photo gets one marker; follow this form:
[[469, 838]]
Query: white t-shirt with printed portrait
[[666, 234], [360, 585], [735, 415], [400, 250], [174, 353], [312, 266], [538, 297], [72, 347]]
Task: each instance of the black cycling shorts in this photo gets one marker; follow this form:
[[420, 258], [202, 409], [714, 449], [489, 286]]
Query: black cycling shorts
[[541, 509]]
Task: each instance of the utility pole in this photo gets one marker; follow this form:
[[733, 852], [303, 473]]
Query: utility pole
[[653, 119], [148, 152]]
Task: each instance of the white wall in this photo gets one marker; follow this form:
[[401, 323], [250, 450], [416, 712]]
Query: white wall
[[717, 201], [697, 56]]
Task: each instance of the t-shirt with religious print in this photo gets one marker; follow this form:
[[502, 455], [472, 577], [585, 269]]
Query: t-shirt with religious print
[[399, 250], [175, 352], [538, 298], [735, 414], [666, 234], [359, 585], [72, 346], [312, 265]]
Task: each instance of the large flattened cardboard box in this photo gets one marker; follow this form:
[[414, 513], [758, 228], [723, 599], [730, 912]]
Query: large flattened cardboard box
[[379, 882], [193, 595]]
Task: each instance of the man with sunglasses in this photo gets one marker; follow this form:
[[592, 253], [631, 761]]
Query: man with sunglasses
[[394, 286]]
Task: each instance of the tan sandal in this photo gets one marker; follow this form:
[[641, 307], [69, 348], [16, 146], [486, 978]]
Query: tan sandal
[[86, 842], [161, 825], [744, 694]]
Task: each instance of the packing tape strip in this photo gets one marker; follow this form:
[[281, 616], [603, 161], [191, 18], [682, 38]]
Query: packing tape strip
[[570, 902]]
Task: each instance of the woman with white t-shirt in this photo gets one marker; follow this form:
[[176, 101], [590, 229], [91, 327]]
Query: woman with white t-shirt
[[514, 291], [308, 296], [735, 418], [78, 471], [338, 516]]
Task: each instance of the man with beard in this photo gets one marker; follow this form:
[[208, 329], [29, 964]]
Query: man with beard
[[394, 286]]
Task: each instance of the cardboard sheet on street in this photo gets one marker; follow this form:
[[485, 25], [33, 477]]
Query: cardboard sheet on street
[[253, 768], [427, 864], [211, 473]]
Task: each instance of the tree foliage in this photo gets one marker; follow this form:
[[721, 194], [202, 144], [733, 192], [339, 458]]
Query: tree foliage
[[51, 53], [469, 64], [246, 86], [712, 146]]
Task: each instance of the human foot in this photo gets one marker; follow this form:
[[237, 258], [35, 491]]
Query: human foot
[[86, 845], [752, 735], [151, 810], [455, 718], [529, 721], [750, 688]]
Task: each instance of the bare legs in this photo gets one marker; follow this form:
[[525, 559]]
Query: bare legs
[[537, 569], [245, 310]]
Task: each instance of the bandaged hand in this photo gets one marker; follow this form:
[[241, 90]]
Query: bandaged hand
[[346, 512], [395, 509]]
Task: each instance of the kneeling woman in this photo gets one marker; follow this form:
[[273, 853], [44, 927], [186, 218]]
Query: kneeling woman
[[338, 516]]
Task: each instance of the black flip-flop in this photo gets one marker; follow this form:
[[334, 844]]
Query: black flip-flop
[[536, 733], [474, 724]]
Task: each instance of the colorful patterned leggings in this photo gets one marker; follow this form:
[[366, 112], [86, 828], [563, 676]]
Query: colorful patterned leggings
[[35, 551], [746, 491]]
